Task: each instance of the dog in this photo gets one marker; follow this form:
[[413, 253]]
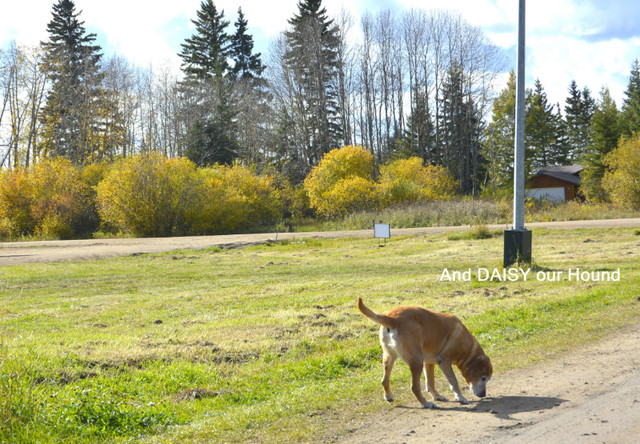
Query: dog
[[423, 339]]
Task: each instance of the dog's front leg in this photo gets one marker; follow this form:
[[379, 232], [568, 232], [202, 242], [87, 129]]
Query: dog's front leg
[[416, 374], [445, 366], [429, 374]]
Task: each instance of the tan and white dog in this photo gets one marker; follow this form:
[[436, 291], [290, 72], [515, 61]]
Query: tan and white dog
[[423, 339]]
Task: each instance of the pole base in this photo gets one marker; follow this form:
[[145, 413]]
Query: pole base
[[517, 247]]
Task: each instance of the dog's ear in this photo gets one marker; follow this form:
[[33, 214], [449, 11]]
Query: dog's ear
[[481, 366], [477, 368]]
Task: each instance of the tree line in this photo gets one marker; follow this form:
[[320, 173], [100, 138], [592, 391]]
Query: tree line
[[586, 131], [418, 83], [415, 84]]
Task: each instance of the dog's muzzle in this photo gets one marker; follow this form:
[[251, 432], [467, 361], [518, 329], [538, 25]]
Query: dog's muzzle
[[479, 389]]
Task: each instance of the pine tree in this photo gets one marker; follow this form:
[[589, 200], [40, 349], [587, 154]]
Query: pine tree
[[71, 117], [204, 55], [312, 56], [246, 64], [630, 116], [605, 133]]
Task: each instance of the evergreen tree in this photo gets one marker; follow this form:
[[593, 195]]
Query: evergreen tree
[[72, 115], [630, 117], [251, 95], [246, 64], [543, 136], [578, 111], [419, 131], [499, 147], [208, 91], [204, 55], [560, 149], [312, 56], [605, 133], [460, 130]]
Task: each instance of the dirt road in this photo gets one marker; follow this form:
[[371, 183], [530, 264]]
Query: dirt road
[[17, 253], [591, 395]]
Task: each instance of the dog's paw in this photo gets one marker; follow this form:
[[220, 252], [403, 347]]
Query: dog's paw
[[388, 398], [439, 397], [429, 405], [461, 399]]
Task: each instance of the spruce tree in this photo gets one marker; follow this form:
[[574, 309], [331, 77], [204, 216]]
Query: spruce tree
[[578, 111], [545, 145], [605, 133], [204, 55], [499, 147], [71, 116], [246, 64], [419, 133], [312, 57], [460, 128], [208, 91], [630, 116]]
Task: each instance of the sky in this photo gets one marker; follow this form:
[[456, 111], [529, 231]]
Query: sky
[[591, 41]]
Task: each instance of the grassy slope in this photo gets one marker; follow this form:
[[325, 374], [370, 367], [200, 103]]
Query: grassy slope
[[265, 343]]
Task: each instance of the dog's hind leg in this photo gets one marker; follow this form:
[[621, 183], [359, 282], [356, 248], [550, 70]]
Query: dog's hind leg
[[429, 374], [388, 359], [416, 374]]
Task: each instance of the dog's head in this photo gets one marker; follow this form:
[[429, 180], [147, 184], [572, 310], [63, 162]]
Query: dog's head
[[477, 373]]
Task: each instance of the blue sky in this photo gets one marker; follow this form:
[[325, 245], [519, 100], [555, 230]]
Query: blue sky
[[591, 41]]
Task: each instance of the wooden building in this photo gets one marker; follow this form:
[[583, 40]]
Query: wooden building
[[555, 184]]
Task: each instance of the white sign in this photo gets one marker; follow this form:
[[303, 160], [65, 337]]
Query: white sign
[[381, 231]]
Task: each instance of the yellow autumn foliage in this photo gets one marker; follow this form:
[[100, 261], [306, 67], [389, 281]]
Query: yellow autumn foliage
[[16, 199], [149, 195], [50, 201], [407, 181], [342, 182], [234, 198], [622, 179]]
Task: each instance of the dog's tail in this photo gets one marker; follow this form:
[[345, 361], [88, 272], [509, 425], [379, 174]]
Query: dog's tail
[[387, 321]]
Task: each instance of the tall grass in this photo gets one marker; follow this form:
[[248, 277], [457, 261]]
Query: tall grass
[[428, 214], [469, 212]]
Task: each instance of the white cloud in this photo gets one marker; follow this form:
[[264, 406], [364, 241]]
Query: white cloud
[[591, 41], [25, 22]]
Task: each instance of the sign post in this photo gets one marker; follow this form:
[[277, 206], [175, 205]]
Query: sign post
[[517, 241], [381, 231]]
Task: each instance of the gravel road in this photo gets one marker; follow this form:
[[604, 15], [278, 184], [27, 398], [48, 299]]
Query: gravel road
[[18, 253]]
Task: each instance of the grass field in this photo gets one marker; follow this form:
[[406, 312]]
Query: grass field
[[264, 344]]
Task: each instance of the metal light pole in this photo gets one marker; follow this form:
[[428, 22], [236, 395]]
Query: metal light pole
[[517, 241]]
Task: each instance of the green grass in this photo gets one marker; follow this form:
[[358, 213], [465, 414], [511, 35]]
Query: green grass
[[265, 344]]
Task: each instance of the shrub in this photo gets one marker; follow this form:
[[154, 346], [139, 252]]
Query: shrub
[[149, 195], [16, 199], [408, 181], [234, 198], [327, 183], [622, 180], [65, 204], [51, 201], [349, 195]]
